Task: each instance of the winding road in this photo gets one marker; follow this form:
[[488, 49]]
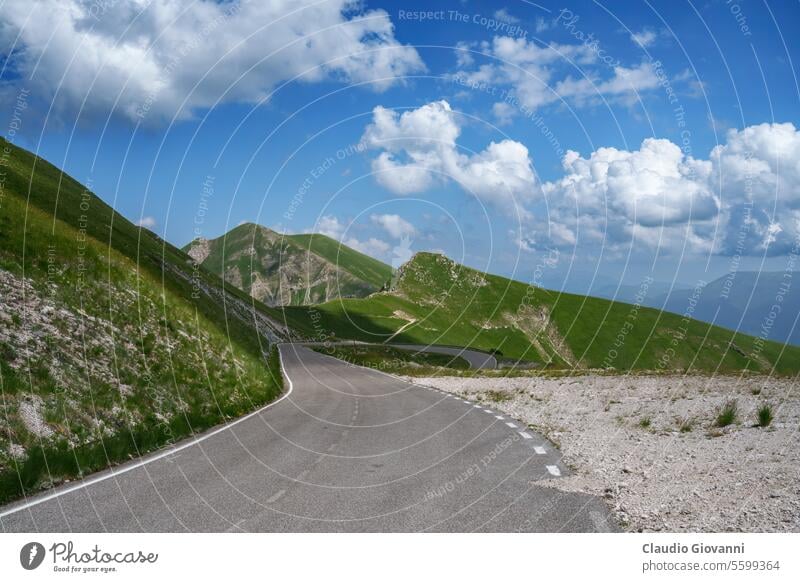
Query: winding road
[[345, 449]]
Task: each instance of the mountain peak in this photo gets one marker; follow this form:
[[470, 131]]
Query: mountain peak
[[289, 269]]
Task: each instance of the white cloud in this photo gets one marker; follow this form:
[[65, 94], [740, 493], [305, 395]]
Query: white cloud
[[401, 178], [419, 150], [503, 15], [146, 58], [543, 25], [464, 56], [394, 225], [758, 172], [373, 247], [644, 38], [625, 81], [655, 185], [331, 226], [537, 75], [744, 199], [147, 222], [503, 113]]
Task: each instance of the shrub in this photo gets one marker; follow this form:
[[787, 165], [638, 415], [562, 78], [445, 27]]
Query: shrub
[[497, 396], [765, 416], [727, 414], [645, 422]]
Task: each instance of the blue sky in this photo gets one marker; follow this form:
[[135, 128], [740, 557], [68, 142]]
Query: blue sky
[[479, 105]]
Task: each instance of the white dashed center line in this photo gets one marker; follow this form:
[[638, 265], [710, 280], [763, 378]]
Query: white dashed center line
[[277, 496], [553, 470], [540, 450], [499, 417], [525, 435], [511, 425]]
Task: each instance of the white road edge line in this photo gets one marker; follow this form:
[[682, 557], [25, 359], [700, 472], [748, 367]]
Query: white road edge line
[[553, 470], [165, 453], [540, 450]]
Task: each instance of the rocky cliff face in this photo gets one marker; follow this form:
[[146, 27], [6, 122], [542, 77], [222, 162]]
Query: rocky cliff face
[[277, 269]]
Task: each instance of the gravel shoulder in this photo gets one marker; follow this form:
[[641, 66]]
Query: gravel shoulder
[[650, 445]]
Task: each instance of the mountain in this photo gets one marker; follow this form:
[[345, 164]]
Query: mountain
[[436, 300], [745, 301], [642, 293], [279, 269], [112, 341]]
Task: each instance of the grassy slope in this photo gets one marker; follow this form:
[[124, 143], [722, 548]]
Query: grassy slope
[[357, 264], [456, 305], [106, 343], [287, 263]]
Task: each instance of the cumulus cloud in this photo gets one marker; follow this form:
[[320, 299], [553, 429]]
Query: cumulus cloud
[[744, 199], [503, 113], [143, 59], [757, 170], [331, 226], [654, 185], [503, 15], [463, 53], [644, 38], [543, 25], [147, 222], [373, 247], [396, 226], [537, 77], [419, 149]]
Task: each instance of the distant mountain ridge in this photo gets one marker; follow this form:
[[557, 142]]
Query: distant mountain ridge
[[280, 269], [745, 301]]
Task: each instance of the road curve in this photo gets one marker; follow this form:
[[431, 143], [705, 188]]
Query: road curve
[[346, 449], [476, 359]]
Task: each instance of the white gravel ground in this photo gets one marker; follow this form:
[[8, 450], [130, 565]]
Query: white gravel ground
[[621, 436]]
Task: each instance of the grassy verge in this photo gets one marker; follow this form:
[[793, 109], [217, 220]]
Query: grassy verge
[[49, 465], [397, 361], [112, 343]]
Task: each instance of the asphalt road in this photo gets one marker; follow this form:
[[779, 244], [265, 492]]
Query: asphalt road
[[476, 359], [346, 449]]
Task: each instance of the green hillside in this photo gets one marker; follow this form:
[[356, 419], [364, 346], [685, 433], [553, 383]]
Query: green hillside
[[357, 264], [282, 269], [438, 301], [111, 341]]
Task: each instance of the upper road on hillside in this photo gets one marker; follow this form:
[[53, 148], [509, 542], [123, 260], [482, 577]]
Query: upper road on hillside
[[476, 359], [345, 449]]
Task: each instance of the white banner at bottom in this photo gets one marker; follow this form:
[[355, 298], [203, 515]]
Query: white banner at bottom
[[332, 557]]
